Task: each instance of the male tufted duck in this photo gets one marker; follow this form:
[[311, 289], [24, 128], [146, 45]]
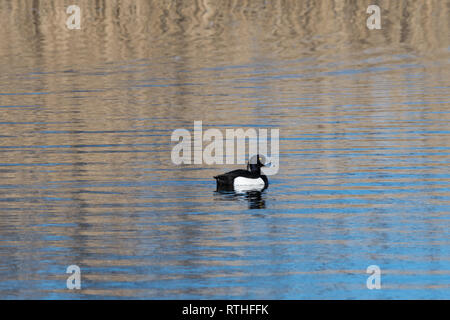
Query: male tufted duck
[[244, 180]]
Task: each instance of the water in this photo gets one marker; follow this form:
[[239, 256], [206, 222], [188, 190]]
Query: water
[[86, 176]]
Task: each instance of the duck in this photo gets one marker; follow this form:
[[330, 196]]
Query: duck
[[245, 180]]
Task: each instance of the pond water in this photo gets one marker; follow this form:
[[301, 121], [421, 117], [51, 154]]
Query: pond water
[[86, 176]]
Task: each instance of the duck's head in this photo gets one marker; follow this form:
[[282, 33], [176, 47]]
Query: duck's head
[[256, 163]]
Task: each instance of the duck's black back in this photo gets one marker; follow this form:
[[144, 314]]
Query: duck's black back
[[228, 178]]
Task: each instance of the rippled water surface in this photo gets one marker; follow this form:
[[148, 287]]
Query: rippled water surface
[[86, 176]]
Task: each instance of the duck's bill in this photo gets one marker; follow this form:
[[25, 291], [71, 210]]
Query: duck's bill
[[269, 163], [271, 167]]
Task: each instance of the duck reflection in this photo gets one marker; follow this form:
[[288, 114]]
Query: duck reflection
[[254, 198]]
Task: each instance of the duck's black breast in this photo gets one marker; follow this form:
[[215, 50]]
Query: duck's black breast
[[266, 181]]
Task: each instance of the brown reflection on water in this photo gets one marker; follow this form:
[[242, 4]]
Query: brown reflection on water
[[85, 170]]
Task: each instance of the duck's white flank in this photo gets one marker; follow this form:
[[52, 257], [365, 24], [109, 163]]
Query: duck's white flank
[[241, 181]]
